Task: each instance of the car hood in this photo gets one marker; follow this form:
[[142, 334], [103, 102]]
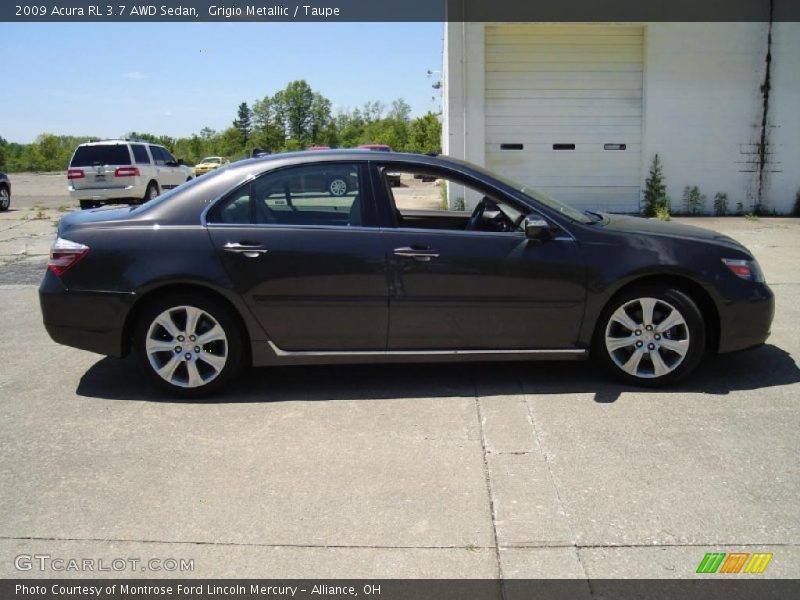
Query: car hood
[[641, 225]]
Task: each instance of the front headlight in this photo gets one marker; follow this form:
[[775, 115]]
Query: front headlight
[[745, 269]]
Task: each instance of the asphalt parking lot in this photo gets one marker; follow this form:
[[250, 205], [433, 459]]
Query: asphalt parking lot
[[518, 470]]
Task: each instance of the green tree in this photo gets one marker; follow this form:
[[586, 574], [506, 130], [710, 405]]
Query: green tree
[[372, 111], [146, 137], [425, 134], [244, 121], [299, 100], [230, 143], [694, 202], [349, 127], [269, 129], [721, 204], [655, 190], [319, 120]]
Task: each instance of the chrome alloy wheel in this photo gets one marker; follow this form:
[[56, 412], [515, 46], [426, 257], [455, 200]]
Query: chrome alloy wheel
[[647, 338], [338, 187], [186, 346], [5, 199]]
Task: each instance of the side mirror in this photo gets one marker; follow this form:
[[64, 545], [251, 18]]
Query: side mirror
[[537, 229], [181, 162]]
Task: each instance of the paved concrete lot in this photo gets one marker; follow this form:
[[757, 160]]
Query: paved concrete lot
[[514, 470]]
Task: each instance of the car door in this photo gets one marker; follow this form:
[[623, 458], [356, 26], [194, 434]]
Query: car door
[[175, 172], [456, 289], [162, 174], [309, 264]]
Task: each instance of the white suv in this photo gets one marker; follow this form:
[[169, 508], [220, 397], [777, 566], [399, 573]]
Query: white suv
[[129, 171]]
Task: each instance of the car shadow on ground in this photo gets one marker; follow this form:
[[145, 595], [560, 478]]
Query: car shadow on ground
[[121, 379]]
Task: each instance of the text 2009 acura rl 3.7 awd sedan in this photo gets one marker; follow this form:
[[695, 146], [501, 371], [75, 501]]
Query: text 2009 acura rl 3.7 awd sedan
[[258, 264]]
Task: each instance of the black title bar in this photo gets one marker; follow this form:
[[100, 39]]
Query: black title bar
[[400, 10], [712, 588]]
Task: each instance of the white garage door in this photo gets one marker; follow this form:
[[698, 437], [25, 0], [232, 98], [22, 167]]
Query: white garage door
[[564, 110]]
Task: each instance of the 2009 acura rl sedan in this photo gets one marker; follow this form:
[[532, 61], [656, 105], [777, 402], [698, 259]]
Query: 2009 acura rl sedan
[[257, 264]]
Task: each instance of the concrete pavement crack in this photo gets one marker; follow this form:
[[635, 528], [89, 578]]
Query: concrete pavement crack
[[489, 491], [538, 441]]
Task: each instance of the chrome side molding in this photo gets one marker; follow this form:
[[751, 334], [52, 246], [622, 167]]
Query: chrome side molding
[[563, 351]]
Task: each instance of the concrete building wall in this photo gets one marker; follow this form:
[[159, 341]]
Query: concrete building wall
[[702, 107], [783, 184]]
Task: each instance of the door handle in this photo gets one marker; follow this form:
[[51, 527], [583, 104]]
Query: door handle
[[420, 254], [248, 249]]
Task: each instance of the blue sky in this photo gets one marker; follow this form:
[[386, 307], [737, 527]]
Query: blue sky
[[176, 78]]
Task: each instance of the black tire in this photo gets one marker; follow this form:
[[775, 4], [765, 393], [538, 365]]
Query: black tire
[[690, 332], [5, 198], [233, 344], [87, 204], [151, 192], [338, 186]]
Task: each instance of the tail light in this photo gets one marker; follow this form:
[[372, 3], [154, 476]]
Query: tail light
[[75, 174], [126, 172], [64, 254], [745, 269]]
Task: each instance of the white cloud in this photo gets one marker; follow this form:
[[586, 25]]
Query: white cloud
[[135, 75]]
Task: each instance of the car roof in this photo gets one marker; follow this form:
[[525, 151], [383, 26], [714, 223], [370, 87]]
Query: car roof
[[117, 142], [339, 155]]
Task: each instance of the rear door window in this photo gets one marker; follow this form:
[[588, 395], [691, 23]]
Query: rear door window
[[101, 154], [140, 154], [326, 194]]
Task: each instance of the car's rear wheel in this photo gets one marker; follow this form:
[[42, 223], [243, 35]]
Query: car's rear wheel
[[650, 336], [87, 204], [152, 191], [188, 344], [5, 198], [337, 186]]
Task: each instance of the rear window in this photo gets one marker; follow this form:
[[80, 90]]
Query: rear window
[[104, 154]]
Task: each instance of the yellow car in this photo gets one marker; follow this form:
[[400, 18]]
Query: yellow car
[[209, 163]]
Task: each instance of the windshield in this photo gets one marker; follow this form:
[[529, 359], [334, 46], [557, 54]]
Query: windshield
[[538, 195], [211, 159], [547, 200]]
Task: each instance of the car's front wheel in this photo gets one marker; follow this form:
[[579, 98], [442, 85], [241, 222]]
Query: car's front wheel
[[188, 344], [650, 336]]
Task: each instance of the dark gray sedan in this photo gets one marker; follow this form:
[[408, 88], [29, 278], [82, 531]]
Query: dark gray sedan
[[254, 265]]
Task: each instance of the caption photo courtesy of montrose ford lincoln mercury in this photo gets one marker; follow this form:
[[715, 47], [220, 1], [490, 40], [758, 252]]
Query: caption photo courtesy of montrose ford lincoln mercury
[[307, 258]]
